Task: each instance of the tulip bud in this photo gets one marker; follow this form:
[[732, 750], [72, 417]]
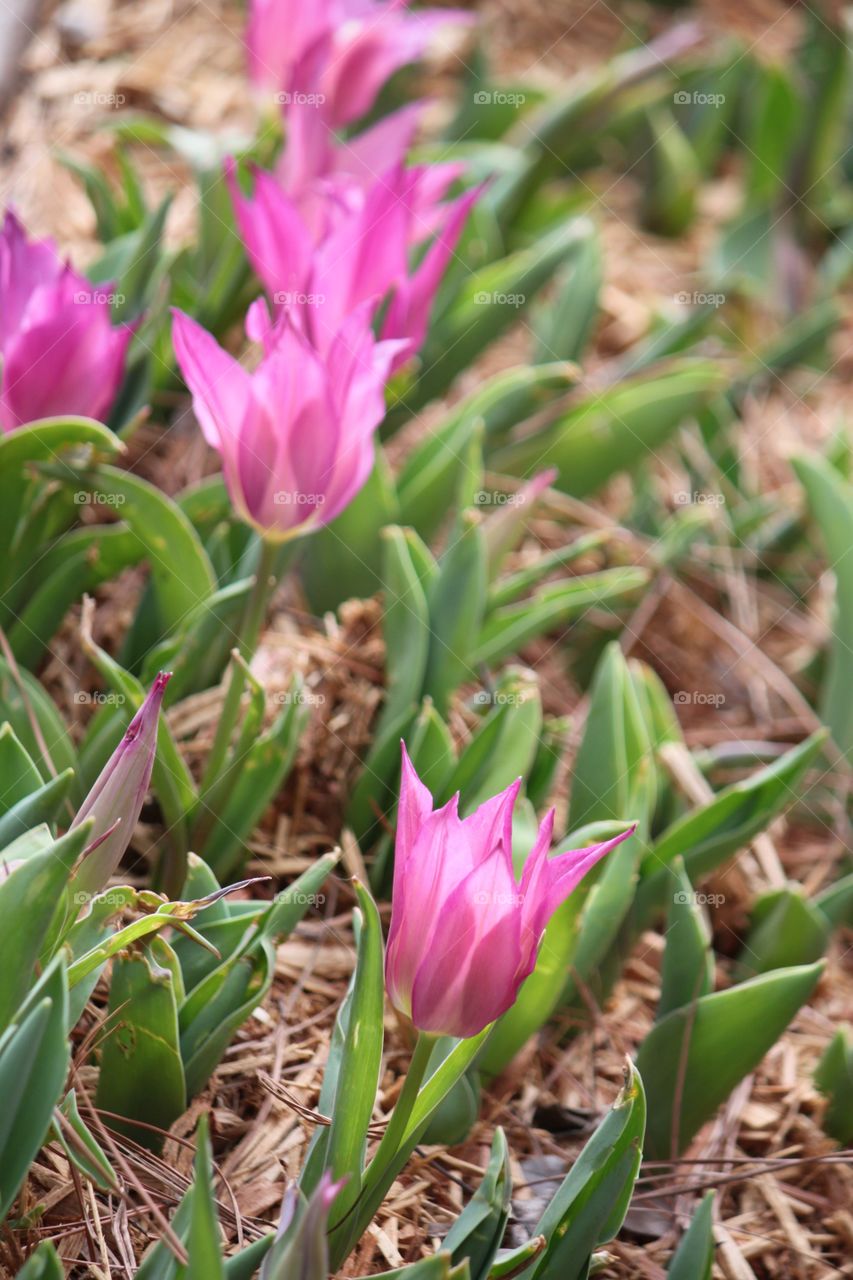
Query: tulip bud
[[116, 799], [464, 933], [301, 1247]]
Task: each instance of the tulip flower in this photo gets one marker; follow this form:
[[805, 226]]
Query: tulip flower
[[115, 801], [301, 1246], [335, 55], [464, 932], [60, 352], [295, 434], [363, 257]]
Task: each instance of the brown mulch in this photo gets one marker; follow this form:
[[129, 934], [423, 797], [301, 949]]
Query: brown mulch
[[783, 1205]]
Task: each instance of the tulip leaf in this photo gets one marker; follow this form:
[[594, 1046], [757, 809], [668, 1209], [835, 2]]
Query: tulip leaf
[[564, 326], [435, 1268], [616, 429], [478, 1231], [693, 1058], [34, 1057], [141, 1076], [830, 498], [358, 1072], [590, 1205], [203, 1238], [372, 795], [456, 601], [508, 628], [19, 773], [834, 1078], [694, 1257], [709, 835], [40, 806], [26, 706], [785, 929], [179, 566], [44, 1264], [80, 1145], [28, 907], [405, 627], [687, 970]]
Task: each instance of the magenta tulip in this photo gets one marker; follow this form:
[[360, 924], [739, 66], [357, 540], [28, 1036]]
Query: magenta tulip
[[335, 55], [60, 352], [115, 801], [295, 435], [361, 256], [464, 932]]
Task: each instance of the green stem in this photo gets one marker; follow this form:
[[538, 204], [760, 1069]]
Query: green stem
[[343, 1235], [247, 642]]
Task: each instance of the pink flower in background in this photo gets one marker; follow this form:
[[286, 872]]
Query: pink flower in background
[[464, 932], [362, 253], [295, 435], [61, 354], [116, 799], [335, 55]]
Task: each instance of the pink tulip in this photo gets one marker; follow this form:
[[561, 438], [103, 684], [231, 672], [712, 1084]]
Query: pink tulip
[[335, 55], [295, 435], [115, 801], [362, 254], [464, 932], [60, 352]]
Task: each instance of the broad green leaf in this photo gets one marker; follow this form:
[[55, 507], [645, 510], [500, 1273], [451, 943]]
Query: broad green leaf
[[617, 429], [25, 703], [40, 806], [203, 1239], [44, 1264], [456, 601], [564, 325], [81, 1146], [141, 1076], [693, 1058], [20, 775], [785, 929], [405, 627]]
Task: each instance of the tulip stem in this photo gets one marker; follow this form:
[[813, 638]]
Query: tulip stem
[[247, 642], [405, 1103]]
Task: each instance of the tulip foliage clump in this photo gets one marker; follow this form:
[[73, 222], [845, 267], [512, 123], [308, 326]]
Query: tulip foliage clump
[[506, 526]]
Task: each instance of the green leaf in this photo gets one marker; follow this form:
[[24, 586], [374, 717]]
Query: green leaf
[[834, 1078], [405, 627], [478, 1231], [29, 897], [512, 626], [34, 1057], [590, 1205], [693, 1058], [358, 1073], [25, 704], [142, 1076], [44, 1264], [180, 569], [830, 499], [785, 929], [456, 602], [694, 1257], [687, 970], [203, 1239], [40, 806], [80, 1145], [20, 776], [617, 429], [564, 325], [707, 836]]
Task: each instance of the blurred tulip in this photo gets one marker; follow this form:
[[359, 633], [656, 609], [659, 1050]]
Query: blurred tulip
[[361, 255], [334, 56], [295, 434], [464, 933], [301, 1247], [60, 352], [116, 799]]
